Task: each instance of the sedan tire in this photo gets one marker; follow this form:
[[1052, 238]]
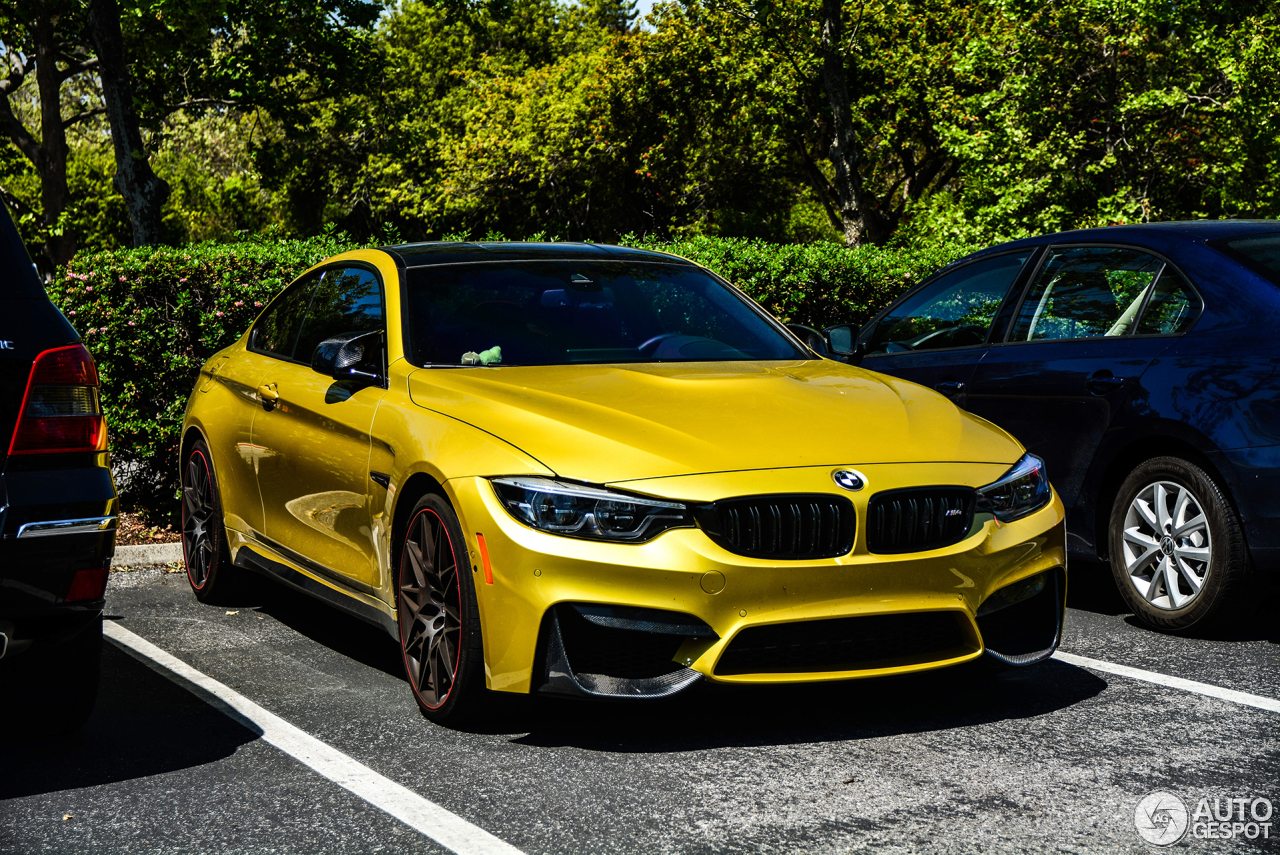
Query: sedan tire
[[438, 615], [1177, 549]]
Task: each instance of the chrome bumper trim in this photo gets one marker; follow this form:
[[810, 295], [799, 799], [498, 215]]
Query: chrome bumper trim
[[91, 525]]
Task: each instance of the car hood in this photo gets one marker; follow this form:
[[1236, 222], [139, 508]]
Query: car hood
[[612, 423]]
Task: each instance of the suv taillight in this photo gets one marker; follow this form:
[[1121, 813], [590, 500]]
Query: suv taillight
[[60, 410]]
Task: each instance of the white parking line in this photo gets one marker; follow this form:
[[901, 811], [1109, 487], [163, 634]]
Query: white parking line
[[1262, 703], [448, 829]]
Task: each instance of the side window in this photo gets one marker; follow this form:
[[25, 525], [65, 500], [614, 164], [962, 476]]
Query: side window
[[346, 301], [276, 330], [955, 310], [1173, 307], [1086, 292]]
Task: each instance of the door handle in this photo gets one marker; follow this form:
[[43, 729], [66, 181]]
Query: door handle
[[268, 395], [949, 387], [1102, 382]]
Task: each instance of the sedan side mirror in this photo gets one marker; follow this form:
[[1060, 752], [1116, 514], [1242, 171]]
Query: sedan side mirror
[[350, 355], [842, 340], [811, 337]]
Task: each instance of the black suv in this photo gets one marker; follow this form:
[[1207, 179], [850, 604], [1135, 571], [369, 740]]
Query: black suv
[[58, 506]]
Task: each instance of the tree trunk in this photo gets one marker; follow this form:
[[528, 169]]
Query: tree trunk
[[857, 212], [51, 158], [144, 192]]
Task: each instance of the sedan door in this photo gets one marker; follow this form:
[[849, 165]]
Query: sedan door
[[313, 436], [937, 334], [1076, 351]]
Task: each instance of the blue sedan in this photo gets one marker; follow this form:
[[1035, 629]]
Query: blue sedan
[[1142, 363]]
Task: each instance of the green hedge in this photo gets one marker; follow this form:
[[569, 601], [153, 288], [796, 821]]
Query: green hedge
[[152, 316]]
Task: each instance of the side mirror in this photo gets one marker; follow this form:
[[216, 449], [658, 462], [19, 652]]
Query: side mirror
[[811, 337], [350, 355], [842, 340]]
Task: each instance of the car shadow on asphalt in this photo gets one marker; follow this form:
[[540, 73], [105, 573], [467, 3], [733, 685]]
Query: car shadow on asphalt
[[1092, 588], [142, 724], [716, 716]]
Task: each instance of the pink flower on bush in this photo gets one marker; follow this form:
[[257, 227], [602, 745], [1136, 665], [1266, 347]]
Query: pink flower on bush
[[219, 314], [256, 303], [122, 279], [131, 323], [102, 329], [89, 288], [239, 302], [72, 313], [182, 281]]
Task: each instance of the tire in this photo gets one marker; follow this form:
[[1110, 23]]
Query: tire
[[1177, 549], [51, 688], [439, 619], [204, 536]]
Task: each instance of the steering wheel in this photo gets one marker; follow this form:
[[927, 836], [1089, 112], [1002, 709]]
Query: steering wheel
[[647, 348]]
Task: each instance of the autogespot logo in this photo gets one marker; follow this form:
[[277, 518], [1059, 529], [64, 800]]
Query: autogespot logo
[[1161, 818], [849, 479]]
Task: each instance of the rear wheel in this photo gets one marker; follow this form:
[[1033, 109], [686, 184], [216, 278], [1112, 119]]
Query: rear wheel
[[438, 615], [1177, 550], [204, 537]]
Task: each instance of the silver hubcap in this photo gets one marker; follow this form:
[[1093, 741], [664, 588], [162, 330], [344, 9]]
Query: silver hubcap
[[1166, 545]]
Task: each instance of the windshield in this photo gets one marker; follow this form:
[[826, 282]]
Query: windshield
[[566, 312]]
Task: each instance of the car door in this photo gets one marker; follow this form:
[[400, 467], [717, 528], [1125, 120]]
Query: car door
[[937, 334], [1075, 352], [235, 380], [313, 436]]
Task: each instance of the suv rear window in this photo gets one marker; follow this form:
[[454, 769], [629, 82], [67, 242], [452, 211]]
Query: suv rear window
[[1260, 253]]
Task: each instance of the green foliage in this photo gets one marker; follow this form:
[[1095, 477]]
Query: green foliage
[[817, 284], [152, 316]]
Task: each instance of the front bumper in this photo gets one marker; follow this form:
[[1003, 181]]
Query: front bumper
[[682, 571]]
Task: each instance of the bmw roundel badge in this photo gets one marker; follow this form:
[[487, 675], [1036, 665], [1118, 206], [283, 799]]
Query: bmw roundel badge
[[849, 479]]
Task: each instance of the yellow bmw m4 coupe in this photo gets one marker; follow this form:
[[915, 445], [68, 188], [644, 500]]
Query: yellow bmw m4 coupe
[[604, 472]]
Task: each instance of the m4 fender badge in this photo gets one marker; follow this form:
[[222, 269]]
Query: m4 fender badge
[[849, 479]]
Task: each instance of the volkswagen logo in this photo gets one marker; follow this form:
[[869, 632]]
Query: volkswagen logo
[[849, 479]]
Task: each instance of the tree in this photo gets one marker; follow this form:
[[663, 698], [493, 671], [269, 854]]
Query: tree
[[143, 191], [156, 58], [33, 41]]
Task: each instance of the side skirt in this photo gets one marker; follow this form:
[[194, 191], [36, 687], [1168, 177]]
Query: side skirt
[[347, 601]]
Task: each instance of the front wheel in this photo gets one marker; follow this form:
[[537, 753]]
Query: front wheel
[[438, 615], [1177, 549]]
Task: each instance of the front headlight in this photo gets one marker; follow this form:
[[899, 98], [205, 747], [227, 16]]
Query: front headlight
[[1022, 490], [580, 510]]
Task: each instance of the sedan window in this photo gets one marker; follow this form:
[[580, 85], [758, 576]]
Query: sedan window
[[1086, 292], [1173, 307], [955, 310]]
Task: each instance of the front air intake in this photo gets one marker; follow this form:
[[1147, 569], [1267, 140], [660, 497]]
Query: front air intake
[[847, 644], [787, 527], [918, 519]]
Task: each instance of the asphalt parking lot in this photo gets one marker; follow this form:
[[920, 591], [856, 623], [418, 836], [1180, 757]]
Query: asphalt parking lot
[[1052, 758]]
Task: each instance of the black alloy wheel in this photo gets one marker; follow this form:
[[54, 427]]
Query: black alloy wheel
[[204, 540], [438, 617], [1177, 549]]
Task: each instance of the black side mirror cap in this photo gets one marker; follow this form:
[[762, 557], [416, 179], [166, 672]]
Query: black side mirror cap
[[842, 341], [811, 337], [350, 355]]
